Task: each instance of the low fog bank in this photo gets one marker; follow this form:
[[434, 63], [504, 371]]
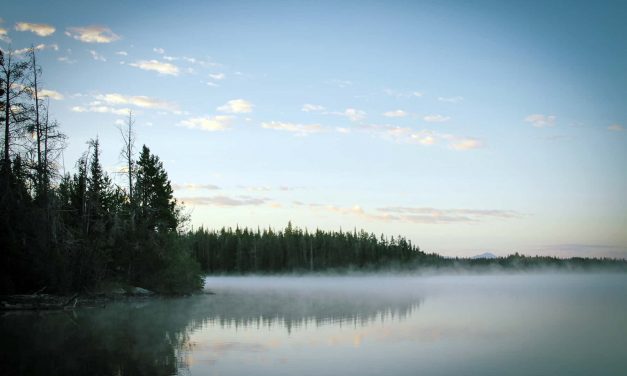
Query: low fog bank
[[296, 300], [416, 287], [457, 267], [154, 335]]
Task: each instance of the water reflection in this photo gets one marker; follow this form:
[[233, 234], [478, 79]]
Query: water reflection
[[122, 339], [152, 337], [294, 310], [543, 324]]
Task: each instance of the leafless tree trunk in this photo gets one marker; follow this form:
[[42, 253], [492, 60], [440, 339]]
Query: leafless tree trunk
[[13, 75], [38, 129], [128, 149], [46, 176], [7, 103]]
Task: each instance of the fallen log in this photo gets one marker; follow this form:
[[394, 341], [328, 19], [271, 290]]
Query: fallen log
[[37, 303]]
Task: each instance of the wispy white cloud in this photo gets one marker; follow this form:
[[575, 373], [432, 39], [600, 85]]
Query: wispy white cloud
[[307, 107], [194, 187], [249, 188], [52, 94], [300, 129], [66, 59], [428, 215], [157, 66], [204, 63], [158, 50], [265, 188], [224, 201], [21, 51], [466, 143], [355, 210], [424, 137], [403, 134], [402, 94], [92, 34], [541, 121], [354, 114], [258, 188], [451, 99], [4, 35], [210, 124], [236, 106], [418, 215], [39, 47], [101, 109], [43, 93], [217, 76], [43, 30], [122, 53], [396, 114], [192, 60], [141, 101], [616, 128], [436, 118], [96, 56]]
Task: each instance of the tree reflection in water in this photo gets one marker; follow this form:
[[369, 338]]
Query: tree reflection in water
[[152, 337]]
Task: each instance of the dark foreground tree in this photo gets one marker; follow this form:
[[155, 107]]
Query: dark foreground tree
[[14, 79], [158, 221], [154, 195]]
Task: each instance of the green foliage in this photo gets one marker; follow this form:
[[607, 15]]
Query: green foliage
[[154, 194], [83, 230], [294, 250], [243, 251], [85, 235], [178, 272]]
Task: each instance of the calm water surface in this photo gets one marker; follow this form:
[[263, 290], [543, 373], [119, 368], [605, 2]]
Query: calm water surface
[[524, 324]]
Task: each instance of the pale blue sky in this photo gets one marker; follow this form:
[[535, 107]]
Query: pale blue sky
[[465, 126]]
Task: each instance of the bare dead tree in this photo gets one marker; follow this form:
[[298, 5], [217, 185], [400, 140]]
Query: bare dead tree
[[13, 72], [128, 149], [37, 127], [54, 142], [53, 146]]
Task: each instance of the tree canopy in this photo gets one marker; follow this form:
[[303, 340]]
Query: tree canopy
[[80, 231]]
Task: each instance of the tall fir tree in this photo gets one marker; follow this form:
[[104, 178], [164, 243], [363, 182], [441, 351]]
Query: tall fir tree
[[154, 195]]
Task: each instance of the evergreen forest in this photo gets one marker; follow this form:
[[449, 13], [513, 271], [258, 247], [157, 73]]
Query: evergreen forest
[[82, 231]]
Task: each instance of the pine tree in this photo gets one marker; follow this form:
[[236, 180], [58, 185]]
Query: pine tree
[[99, 192], [154, 195]]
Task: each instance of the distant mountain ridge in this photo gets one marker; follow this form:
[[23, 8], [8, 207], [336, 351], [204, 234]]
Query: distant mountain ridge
[[485, 255]]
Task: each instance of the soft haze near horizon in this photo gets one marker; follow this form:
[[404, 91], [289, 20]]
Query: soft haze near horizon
[[465, 127], [490, 324]]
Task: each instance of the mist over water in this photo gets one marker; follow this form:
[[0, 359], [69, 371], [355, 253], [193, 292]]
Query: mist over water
[[521, 324]]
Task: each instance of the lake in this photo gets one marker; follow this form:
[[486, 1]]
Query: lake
[[518, 324]]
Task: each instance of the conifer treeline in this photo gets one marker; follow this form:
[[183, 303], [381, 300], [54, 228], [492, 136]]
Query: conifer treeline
[[78, 232], [294, 250], [298, 250]]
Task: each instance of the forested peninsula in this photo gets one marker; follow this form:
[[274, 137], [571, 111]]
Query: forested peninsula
[[82, 231]]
